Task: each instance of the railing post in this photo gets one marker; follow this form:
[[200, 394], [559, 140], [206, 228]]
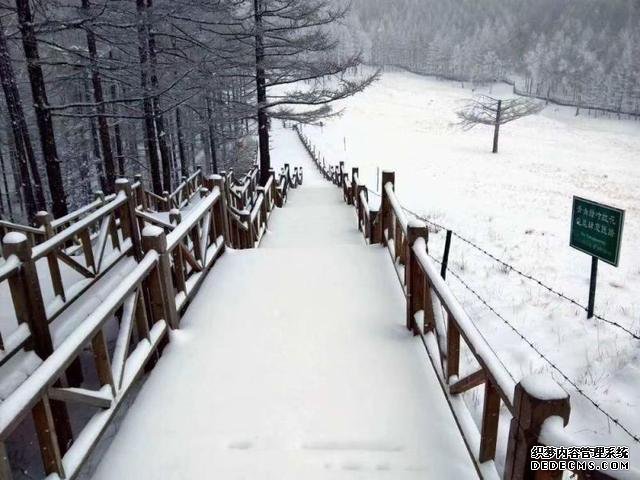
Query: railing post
[[26, 293], [414, 278], [385, 205], [43, 219], [142, 201], [536, 398], [221, 215], [98, 195], [354, 185], [361, 224], [246, 235], [341, 179], [167, 201], [154, 238], [286, 169], [128, 217], [29, 309]]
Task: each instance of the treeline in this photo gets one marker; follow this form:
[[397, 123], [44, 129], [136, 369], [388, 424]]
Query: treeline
[[96, 89], [580, 52]]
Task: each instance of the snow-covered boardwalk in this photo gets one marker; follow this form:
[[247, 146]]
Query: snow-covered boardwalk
[[293, 362]]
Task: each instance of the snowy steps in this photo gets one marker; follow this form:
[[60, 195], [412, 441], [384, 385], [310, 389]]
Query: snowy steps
[[293, 362]]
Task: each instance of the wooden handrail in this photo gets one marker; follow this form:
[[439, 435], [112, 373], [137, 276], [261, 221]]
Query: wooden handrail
[[538, 405], [170, 268], [11, 226], [46, 247]]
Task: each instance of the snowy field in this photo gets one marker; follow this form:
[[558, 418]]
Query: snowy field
[[517, 206]]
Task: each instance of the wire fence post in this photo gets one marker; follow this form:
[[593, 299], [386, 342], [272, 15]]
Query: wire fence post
[[445, 256], [592, 286]]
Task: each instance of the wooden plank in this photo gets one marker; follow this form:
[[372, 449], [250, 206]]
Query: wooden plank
[[87, 249], [490, 418], [453, 348], [81, 395], [468, 382], [121, 350], [47, 438], [103, 235], [56, 276], [70, 262], [101, 357], [5, 466], [193, 263]]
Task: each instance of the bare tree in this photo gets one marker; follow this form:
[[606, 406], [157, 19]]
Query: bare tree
[[40, 103], [293, 43], [485, 110]]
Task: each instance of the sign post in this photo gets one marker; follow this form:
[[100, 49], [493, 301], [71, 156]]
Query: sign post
[[596, 230]]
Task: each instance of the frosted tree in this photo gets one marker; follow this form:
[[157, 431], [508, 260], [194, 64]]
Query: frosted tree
[[296, 50], [485, 110]]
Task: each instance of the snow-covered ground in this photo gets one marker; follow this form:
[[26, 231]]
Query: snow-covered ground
[[307, 371], [516, 205]]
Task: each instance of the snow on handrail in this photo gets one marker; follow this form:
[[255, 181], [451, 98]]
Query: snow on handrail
[[41, 250], [21, 228], [82, 210], [475, 341], [257, 206], [194, 216], [18, 403], [9, 267], [395, 204]]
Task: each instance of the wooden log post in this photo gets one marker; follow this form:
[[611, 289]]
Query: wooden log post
[[154, 238], [536, 398], [361, 217], [288, 173], [44, 219], [354, 186], [247, 236], [414, 277], [341, 179], [29, 309], [221, 217], [375, 227], [141, 196], [5, 465], [175, 216], [128, 220], [385, 205]]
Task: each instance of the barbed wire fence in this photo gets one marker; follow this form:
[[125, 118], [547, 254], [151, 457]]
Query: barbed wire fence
[[458, 277], [511, 268]]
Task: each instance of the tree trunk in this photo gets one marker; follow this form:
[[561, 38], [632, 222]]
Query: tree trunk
[[98, 96], [6, 187], [183, 157], [43, 116], [261, 89], [165, 154], [496, 132], [16, 117], [149, 123], [116, 128], [212, 136]]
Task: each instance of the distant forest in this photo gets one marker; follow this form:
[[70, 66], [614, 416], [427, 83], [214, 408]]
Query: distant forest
[[97, 89], [584, 53]]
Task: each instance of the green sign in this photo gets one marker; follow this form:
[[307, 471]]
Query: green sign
[[596, 229]]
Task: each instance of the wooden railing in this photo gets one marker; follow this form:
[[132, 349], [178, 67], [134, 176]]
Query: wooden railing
[[98, 242], [140, 328], [171, 261], [179, 198], [539, 408]]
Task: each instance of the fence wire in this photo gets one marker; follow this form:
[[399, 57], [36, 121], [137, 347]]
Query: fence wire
[[635, 437], [519, 272]]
